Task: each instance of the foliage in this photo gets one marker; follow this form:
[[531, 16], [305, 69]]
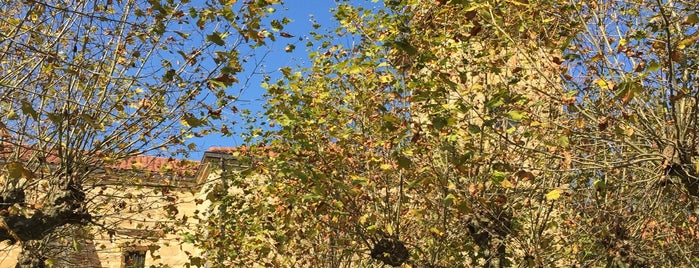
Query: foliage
[[86, 84], [634, 68], [477, 133]]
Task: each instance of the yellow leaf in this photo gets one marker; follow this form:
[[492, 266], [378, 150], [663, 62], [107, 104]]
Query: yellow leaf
[[385, 166], [12, 115], [387, 78], [137, 165], [15, 169], [507, 184], [436, 231], [687, 41], [604, 84], [363, 218], [553, 194], [519, 2]]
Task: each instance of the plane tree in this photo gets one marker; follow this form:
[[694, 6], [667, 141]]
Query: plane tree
[[87, 84], [409, 141], [477, 133]]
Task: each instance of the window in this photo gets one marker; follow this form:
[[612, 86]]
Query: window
[[135, 258]]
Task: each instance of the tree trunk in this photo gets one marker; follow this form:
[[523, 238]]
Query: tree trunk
[[62, 207], [32, 256]]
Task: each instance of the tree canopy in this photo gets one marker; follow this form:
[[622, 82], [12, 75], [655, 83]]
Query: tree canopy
[[475, 133], [87, 84]]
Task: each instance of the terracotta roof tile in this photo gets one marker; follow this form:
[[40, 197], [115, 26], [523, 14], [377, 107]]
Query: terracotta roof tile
[[228, 150], [137, 163], [243, 150], [158, 164]]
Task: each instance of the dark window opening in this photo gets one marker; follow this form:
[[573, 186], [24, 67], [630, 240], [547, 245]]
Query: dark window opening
[[135, 259]]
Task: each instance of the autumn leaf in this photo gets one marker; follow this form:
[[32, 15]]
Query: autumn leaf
[[16, 170], [506, 184], [553, 195], [289, 48]]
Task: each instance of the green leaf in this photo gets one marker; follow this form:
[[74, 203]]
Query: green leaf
[[653, 66], [90, 120], [499, 176], [76, 245], [55, 118], [516, 115], [312, 197], [276, 25], [627, 90], [228, 14], [404, 162], [191, 121], [188, 238], [29, 110], [563, 141], [169, 75], [474, 129], [495, 102], [692, 19], [449, 200], [439, 122], [372, 229], [216, 38], [599, 185], [405, 47], [356, 180], [182, 34]]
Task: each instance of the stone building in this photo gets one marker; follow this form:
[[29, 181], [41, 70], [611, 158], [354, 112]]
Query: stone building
[[142, 208]]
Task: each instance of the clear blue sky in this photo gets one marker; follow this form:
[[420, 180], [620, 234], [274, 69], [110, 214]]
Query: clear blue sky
[[272, 58]]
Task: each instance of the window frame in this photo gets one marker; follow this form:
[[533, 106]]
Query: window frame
[[128, 252]]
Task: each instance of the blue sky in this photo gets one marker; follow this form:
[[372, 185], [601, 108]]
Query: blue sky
[[269, 60]]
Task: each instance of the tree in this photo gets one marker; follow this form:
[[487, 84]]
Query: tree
[[483, 133], [396, 150], [87, 84], [634, 131]]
